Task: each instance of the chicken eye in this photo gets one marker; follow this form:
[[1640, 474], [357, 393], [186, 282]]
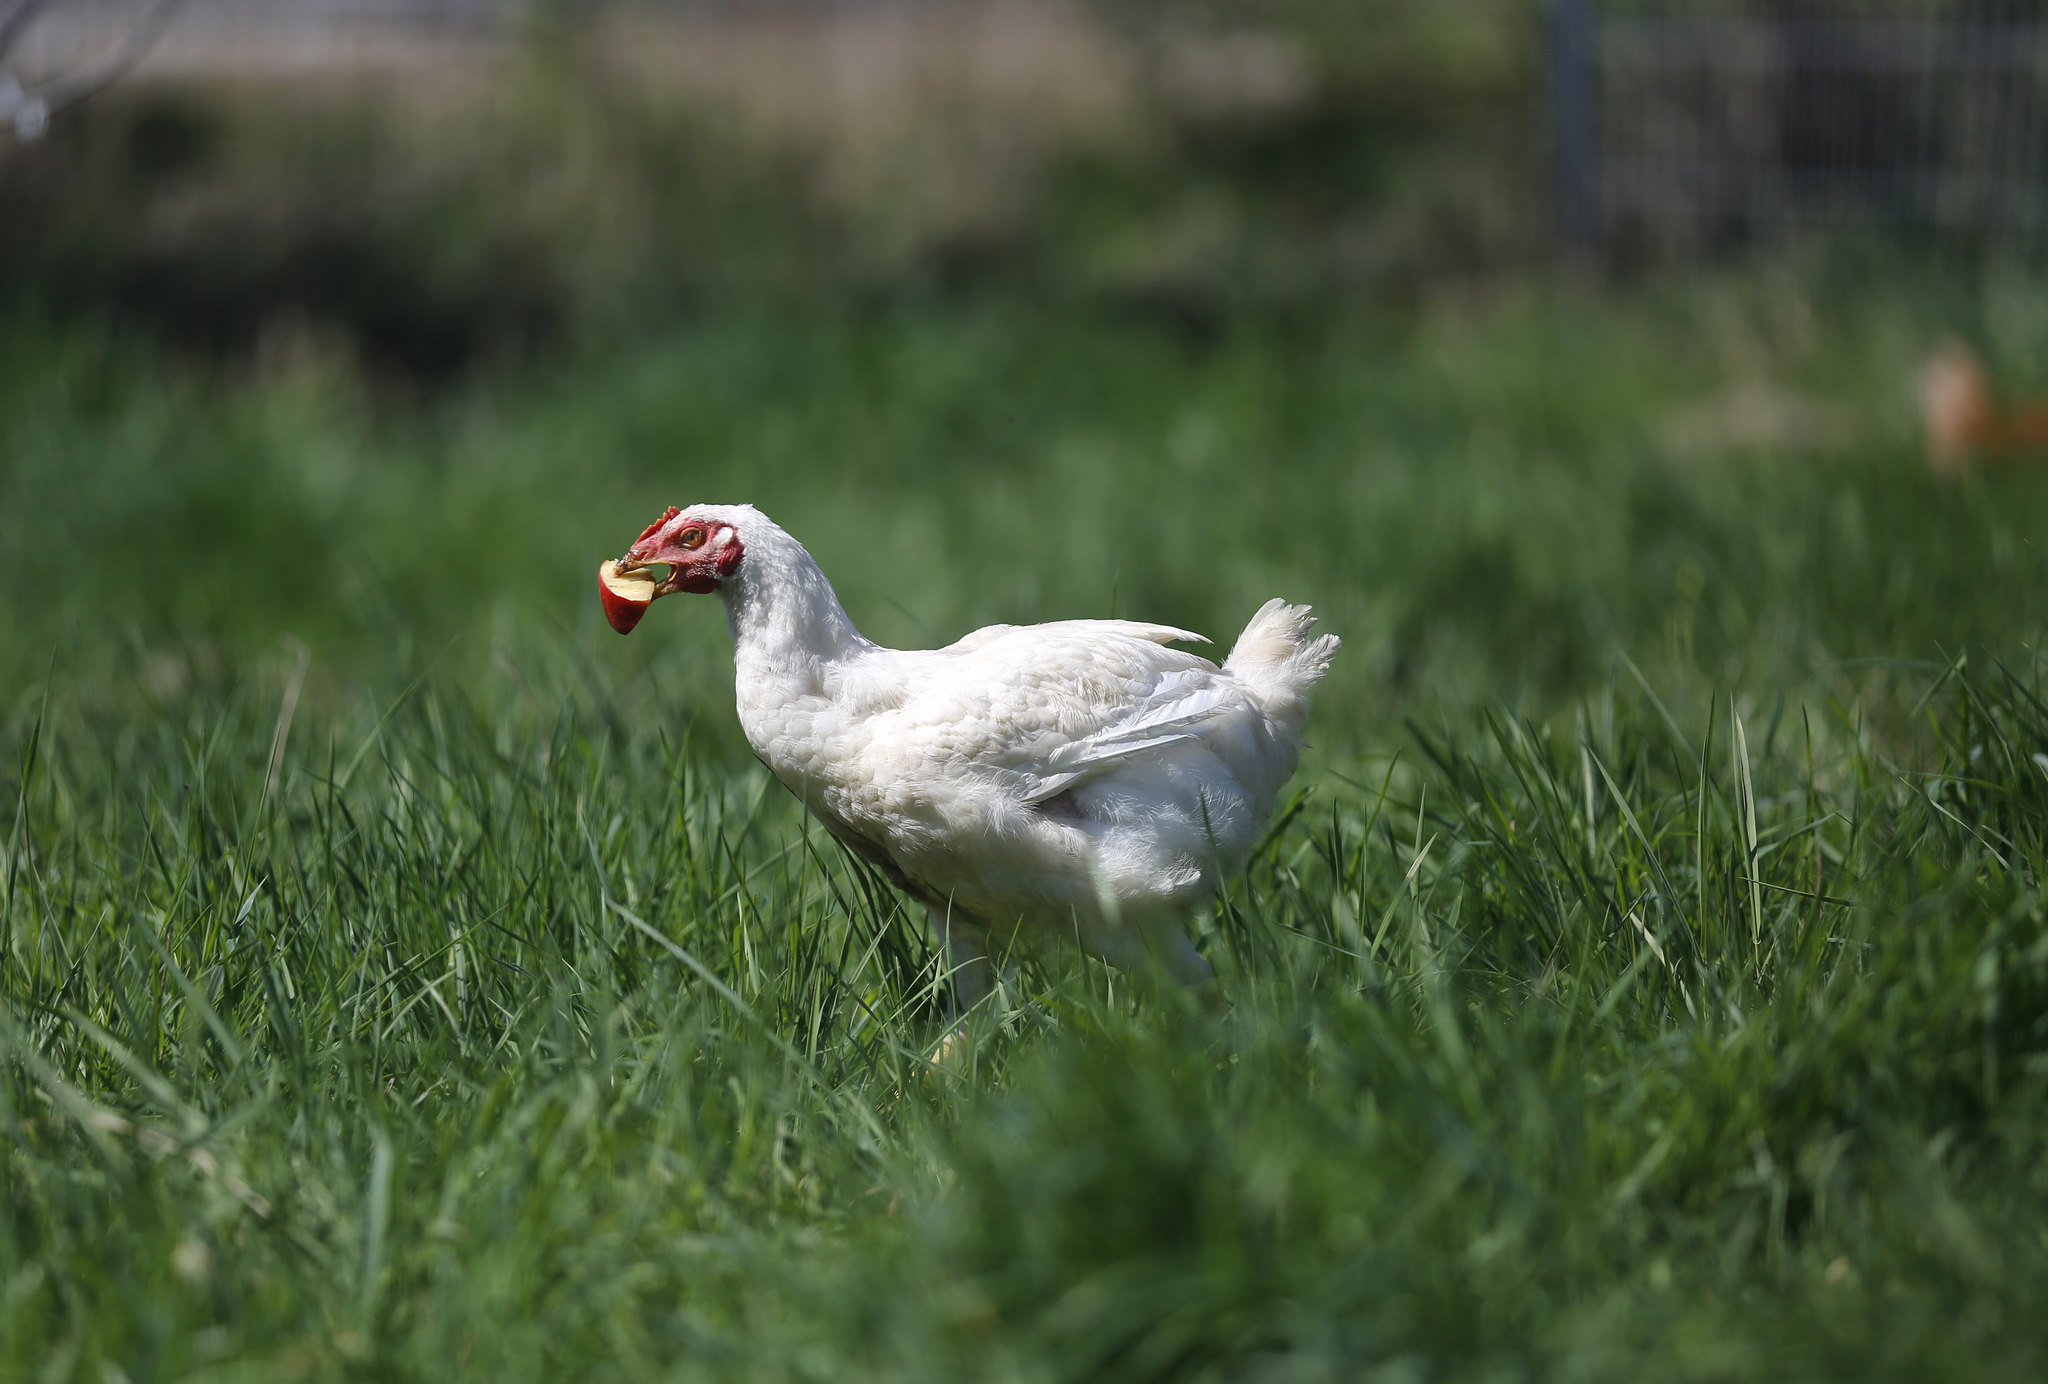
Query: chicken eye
[[692, 538]]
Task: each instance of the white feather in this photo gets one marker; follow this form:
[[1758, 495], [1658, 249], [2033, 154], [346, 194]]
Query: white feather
[[1079, 775]]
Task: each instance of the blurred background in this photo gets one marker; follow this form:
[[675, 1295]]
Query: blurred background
[[1646, 976], [351, 334]]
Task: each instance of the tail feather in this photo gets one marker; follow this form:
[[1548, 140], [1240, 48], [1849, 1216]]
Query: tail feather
[[1279, 661]]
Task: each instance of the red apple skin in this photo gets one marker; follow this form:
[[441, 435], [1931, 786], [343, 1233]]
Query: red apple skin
[[623, 612]]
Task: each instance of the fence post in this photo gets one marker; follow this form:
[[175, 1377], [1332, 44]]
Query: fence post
[[1573, 153]]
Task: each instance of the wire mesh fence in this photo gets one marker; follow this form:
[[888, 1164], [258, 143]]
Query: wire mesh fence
[[1685, 129]]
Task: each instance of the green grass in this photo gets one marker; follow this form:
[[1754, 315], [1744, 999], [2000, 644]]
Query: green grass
[[1652, 980]]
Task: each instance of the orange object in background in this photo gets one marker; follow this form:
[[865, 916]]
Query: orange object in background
[[1963, 419]]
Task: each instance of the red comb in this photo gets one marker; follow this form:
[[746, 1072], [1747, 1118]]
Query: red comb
[[650, 530]]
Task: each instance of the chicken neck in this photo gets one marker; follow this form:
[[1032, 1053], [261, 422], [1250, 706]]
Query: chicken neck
[[786, 621]]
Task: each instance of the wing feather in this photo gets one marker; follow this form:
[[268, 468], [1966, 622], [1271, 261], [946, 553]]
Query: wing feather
[[1184, 707], [1046, 707], [1069, 629]]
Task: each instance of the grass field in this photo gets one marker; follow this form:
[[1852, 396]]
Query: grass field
[[405, 978]]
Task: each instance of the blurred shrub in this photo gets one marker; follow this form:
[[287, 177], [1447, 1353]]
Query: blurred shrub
[[1192, 164]]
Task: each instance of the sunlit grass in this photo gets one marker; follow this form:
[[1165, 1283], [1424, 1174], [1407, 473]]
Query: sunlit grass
[[1682, 1042], [1649, 979]]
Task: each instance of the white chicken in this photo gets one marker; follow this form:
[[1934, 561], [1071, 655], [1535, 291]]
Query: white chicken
[[1078, 779]]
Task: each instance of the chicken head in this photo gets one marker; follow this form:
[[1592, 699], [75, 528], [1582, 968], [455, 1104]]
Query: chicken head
[[700, 551]]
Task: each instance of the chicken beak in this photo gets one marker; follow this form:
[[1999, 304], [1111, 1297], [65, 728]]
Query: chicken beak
[[630, 583], [640, 570]]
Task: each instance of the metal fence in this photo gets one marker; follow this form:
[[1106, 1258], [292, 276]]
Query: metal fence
[[1695, 127]]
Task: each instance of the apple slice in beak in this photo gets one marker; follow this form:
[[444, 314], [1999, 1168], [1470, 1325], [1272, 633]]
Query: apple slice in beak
[[626, 593]]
